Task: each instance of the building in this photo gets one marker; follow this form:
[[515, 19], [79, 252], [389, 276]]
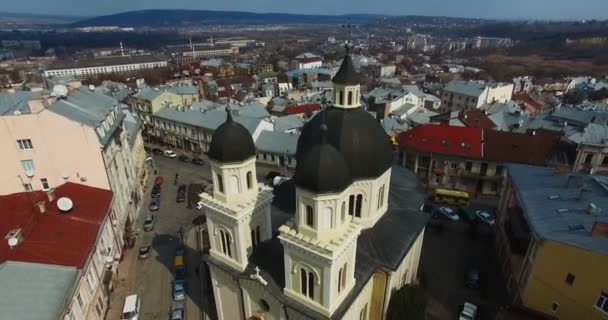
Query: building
[[56, 260], [471, 159], [458, 94], [490, 43], [522, 85], [307, 63], [21, 44], [103, 65], [188, 53], [79, 137], [151, 99], [552, 241], [276, 148], [344, 242]]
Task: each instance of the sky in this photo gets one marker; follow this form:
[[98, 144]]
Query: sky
[[502, 9]]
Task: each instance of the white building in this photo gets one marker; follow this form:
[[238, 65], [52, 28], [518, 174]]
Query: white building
[[103, 65], [335, 217], [522, 84], [469, 95]]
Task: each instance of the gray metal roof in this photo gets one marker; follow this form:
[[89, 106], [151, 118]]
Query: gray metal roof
[[16, 102], [132, 125], [534, 185], [252, 110], [199, 117], [592, 134], [289, 122], [32, 291], [468, 88], [277, 142], [151, 93]]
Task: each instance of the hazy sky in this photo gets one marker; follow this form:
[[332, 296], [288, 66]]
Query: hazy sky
[[510, 9]]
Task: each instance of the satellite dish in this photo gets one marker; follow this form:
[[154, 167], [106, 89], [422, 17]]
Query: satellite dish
[[91, 87], [60, 90], [65, 204], [13, 242]]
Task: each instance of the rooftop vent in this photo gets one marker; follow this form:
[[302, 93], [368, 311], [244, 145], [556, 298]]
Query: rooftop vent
[[65, 204], [14, 237], [553, 197], [562, 210]]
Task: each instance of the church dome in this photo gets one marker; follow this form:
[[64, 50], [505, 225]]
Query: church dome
[[231, 142], [354, 133], [322, 169]]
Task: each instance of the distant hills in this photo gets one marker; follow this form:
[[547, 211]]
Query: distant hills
[[159, 18], [27, 19]]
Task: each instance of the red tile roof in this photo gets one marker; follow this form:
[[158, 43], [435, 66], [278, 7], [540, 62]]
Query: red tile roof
[[54, 237], [444, 139], [302, 108], [533, 147]]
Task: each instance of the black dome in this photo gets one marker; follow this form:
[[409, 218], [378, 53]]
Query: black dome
[[356, 135], [231, 142], [322, 169]]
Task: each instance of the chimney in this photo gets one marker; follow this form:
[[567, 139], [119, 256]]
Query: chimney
[[41, 206], [51, 195], [599, 229]]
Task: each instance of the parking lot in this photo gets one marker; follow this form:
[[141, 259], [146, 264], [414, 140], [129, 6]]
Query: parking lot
[[450, 250]]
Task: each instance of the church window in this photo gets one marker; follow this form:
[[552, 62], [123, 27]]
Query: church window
[[225, 241], [341, 97], [234, 184], [255, 236], [307, 283], [220, 183], [381, 197], [249, 180], [358, 206], [342, 278], [309, 216], [350, 98], [351, 205]]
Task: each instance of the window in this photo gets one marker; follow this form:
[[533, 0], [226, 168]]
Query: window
[[350, 98], [220, 183], [309, 216], [249, 180], [588, 158], [79, 299], [363, 314], [351, 205], [307, 283], [381, 197], [570, 279], [45, 184], [25, 144], [28, 166], [499, 170], [27, 186], [358, 206], [605, 161], [341, 97], [225, 239], [342, 278], [255, 236], [602, 302], [554, 307], [469, 166]]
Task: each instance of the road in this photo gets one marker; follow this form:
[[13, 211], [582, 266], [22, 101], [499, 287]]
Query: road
[[152, 278]]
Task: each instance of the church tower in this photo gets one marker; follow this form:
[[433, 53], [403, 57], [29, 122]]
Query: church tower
[[346, 85], [238, 208]]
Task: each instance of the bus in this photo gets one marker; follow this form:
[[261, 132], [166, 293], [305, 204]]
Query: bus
[[453, 197]]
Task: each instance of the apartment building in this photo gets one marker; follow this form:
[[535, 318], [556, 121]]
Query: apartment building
[[468, 95], [103, 65]]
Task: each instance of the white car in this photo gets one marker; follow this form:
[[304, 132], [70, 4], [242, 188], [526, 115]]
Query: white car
[[170, 154], [130, 311], [449, 213], [469, 312], [486, 217]]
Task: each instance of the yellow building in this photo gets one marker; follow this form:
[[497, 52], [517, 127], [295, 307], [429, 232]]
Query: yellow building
[[552, 237], [151, 99]]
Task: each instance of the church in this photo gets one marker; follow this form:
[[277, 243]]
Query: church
[[334, 241]]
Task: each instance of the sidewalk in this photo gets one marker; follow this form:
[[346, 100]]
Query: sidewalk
[[124, 281]]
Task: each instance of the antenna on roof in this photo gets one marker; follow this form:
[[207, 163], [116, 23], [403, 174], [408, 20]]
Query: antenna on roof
[[348, 26]]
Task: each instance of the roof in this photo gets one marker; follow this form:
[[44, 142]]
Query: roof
[[476, 119], [533, 147], [299, 72], [277, 142], [253, 110], [151, 93], [54, 237], [104, 61], [444, 139], [303, 108], [200, 117], [132, 125], [289, 122], [533, 187], [88, 108], [468, 88], [16, 102], [347, 74], [46, 285], [231, 142], [592, 134], [383, 246], [307, 55], [322, 169]]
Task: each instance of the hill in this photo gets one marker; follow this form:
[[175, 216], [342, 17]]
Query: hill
[[159, 18], [29, 19]]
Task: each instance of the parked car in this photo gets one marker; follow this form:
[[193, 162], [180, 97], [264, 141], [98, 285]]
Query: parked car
[[155, 191], [449, 213], [154, 204], [170, 154], [183, 158], [179, 290], [157, 152], [486, 217], [181, 193], [144, 252], [177, 311], [149, 222], [180, 250], [468, 311], [471, 280], [130, 310], [198, 161]]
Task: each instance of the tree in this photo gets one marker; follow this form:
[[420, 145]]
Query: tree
[[408, 302]]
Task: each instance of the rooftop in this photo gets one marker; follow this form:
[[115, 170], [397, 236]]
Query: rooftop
[[468, 88], [444, 139], [17, 102], [555, 206], [279, 143], [208, 119], [301, 109], [151, 93], [54, 237], [104, 61]]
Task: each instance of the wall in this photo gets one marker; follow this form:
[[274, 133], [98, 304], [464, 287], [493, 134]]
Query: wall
[[501, 93], [60, 147], [546, 283], [599, 160], [166, 98], [227, 294]]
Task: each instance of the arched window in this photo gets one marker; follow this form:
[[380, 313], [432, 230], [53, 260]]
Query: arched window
[[226, 242], [307, 283], [351, 205], [234, 184], [249, 180], [255, 236], [309, 216], [343, 213], [381, 197], [220, 183], [350, 98], [358, 206], [341, 97], [342, 278]]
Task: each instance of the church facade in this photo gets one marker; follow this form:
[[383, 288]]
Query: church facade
[[334, 241]]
